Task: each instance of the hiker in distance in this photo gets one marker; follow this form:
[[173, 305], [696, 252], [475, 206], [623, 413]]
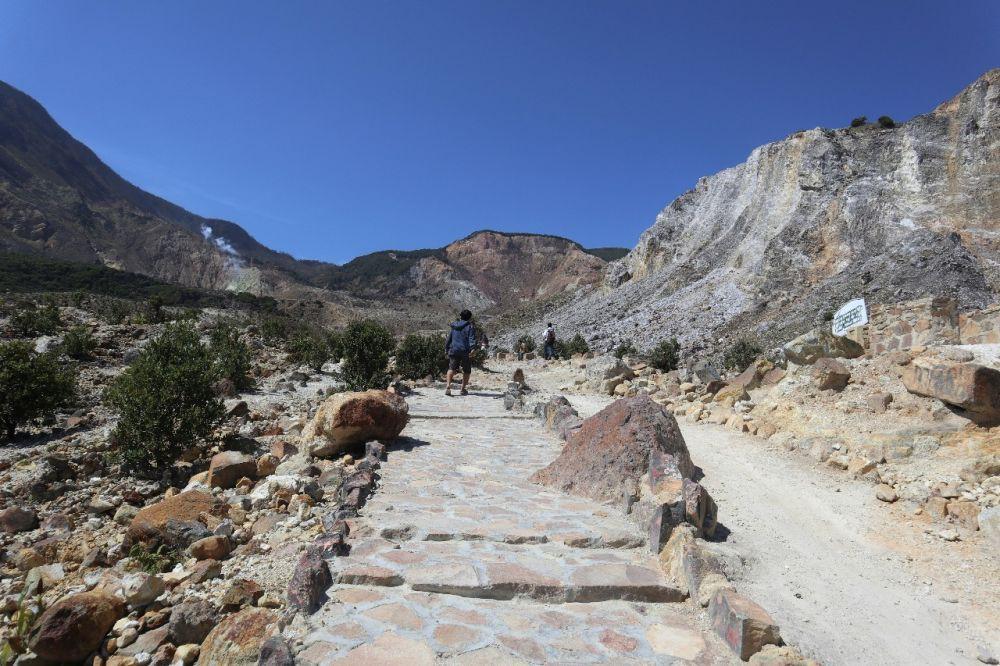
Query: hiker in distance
[[459, 345], [549, 342]]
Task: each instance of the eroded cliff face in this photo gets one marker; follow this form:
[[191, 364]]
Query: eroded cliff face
[[771, 245]]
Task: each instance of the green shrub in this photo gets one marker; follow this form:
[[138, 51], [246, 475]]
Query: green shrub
[[154, 310], [31, 385], [577, 345], [232, 356], [153, 561], [741, 354], [335, 342], [625, 348], [421, 355], [275, 330], [666, 355], [21, 621], [113, 310], [30, 319], [165, 400], [367, 348], [78, 343], [859, 121], [308, 348], [525, 344], [886, 122]]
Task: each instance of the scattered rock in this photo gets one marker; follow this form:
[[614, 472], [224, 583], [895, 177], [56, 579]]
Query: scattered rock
[[830, 375], [141, 589], [228, 467], [74, 626], [237, 639], [307, 589], [15, 519], [886, 493], [191, 621], [211, 548], [742, 624], [175, 522]]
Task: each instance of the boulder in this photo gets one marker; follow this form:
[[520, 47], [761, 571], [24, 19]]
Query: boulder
[[989, 523], [175, 522], [830, 374], [821, 343], [974, 390], [348, 419], [211, 548], [705, 372], [608, 367], [228, 467], [15, 519], [606, 457], [237, 639], [310, 580], [191, 621], [730, 395], [743, 625], [141, 589], [74, 626], [559, 415]]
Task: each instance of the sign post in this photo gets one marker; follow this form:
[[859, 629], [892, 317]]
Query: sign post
[[852, 315]]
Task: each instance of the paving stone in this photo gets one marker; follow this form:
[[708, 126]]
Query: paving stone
[[389, 650], [369, 575]]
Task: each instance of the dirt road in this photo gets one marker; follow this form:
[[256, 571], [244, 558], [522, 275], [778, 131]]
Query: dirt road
[[827, 562]]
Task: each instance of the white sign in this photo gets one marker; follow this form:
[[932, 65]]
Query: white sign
[[851, 315]]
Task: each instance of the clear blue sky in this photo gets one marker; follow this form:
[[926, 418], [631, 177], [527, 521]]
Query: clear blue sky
[[331, 129]]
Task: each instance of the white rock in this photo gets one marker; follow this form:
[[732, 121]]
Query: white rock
[[141, 588]]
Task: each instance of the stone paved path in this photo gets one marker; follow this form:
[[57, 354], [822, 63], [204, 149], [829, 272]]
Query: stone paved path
[[459, 559]]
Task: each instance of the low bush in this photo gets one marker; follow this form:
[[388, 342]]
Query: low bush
[[367, 348], [153, 561], [275, 330], [665, 355], [525, 344], [31, 385], [860, 121], [625, 348], [741, 354], [886, 122], [308, 348], [78, 343], [165, 401], [30, 320], [576, 345], [335, 343], [233, 360], [419, 356]]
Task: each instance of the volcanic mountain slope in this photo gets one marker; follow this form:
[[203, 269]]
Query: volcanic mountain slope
[[770, 247], [59, 200]]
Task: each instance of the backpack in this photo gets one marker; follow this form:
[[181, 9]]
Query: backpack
[[550, 336]]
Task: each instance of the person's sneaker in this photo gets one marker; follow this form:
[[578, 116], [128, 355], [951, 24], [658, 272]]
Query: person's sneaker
[[465, 392], [447, 392]]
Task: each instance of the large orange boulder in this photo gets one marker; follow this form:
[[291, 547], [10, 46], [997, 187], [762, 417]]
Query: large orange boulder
[[228, 467], [177, 521], [74, 626], [349, 419]]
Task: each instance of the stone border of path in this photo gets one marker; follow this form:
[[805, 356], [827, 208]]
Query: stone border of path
[[698, 569]]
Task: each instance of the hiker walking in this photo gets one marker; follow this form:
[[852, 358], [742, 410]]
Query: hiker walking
[[549, 342], [459, 345]]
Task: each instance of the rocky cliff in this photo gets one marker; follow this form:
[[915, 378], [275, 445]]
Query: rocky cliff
[[771, 246]]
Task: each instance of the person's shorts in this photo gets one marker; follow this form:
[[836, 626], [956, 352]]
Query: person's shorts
[[463, 361]]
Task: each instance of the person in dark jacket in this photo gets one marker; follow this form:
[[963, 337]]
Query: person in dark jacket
[[459, 345]]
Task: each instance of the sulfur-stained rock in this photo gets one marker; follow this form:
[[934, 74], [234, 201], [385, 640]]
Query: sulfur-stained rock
[[15, 519], [347, 419], [310, 580]]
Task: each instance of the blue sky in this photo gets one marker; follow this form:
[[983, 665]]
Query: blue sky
[[332, 129]]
